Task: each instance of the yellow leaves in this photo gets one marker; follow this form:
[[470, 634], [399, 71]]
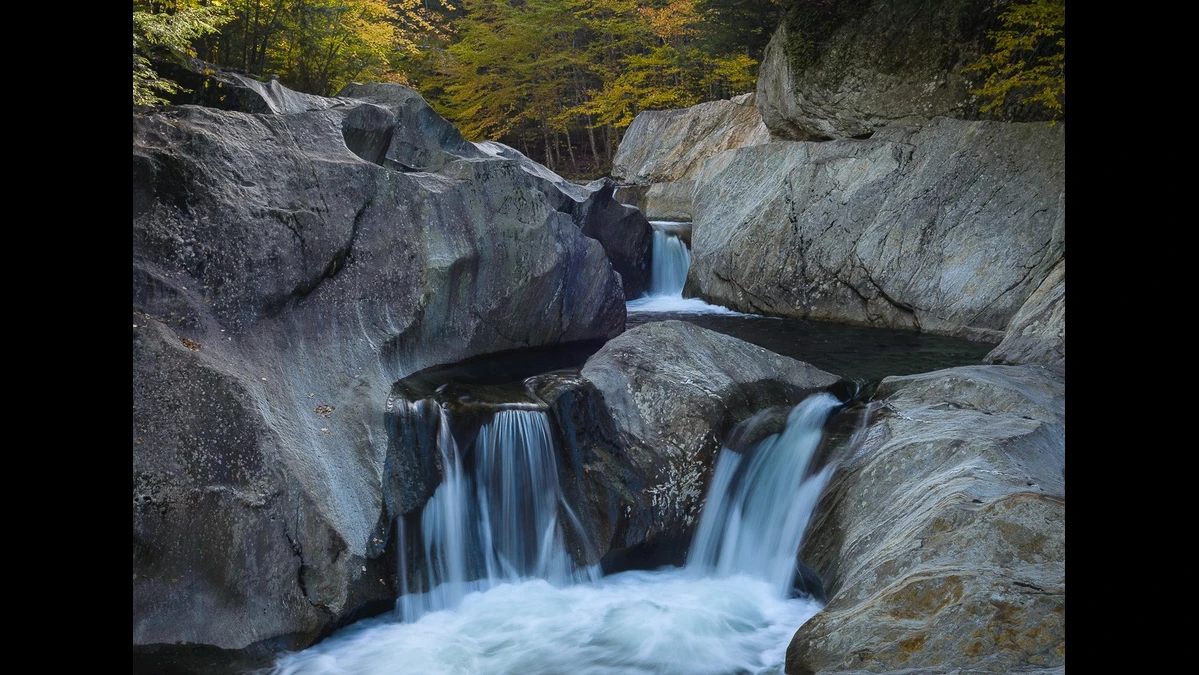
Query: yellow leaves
[[676, 21], [1029, 58]]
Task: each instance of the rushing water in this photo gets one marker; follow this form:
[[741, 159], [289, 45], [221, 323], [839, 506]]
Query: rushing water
[[668, 275], [498, 523], [729, 611], [487, 585], [759, 504]]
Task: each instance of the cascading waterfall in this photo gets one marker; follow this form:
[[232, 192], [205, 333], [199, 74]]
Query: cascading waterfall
[[499, 524], [671, 261], [668, 275], [497, 529], [759, 504]]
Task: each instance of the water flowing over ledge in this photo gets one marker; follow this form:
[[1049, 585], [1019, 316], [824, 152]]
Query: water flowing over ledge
[[506, 599], [668, 274]]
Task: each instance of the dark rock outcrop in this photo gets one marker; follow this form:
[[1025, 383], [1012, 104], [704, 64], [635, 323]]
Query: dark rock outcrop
[[946, 228], [675, 391], [1037, 334], [941, 537], [846, 68], [287, 270]]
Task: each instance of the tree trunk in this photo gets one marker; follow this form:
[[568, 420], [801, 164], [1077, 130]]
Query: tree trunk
[[591, 137], [571, 151]]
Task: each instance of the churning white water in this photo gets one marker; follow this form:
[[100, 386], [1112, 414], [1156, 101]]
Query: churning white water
[[634, 622], [728, 611], [668, 275]]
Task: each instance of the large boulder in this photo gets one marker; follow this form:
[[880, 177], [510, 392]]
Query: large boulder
[[1037, 334], [946, 228], [674, 392], [846, 68], [941, 537], [663, 150], [282, 282]]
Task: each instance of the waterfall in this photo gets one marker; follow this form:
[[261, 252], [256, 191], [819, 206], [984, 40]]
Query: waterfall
[[668, 275], [671, 260], [493, 519], [497, 517], [759, 502]]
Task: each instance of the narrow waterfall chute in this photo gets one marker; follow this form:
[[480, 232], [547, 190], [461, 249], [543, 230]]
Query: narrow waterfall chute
[[759, 503], [668, 274], [671, 260], [493, 519]]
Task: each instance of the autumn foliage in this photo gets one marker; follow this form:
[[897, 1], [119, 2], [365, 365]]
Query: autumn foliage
[[558, 79]]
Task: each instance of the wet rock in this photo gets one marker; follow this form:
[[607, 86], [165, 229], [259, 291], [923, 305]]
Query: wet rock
[[675, 391], [941, 538]]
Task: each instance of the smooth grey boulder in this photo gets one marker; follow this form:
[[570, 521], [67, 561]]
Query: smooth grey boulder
[[281, 284], [661, 146], [674, 391], [846, 69], [1037, 334], [665, 149], [946, 228], [941, 536], [401, 131]]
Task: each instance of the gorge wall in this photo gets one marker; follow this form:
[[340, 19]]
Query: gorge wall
[[288, 266]]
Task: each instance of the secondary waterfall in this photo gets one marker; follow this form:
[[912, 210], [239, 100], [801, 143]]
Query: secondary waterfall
[[493, 528], [668, 274], [671, 260], [759, 503], [497, 523]]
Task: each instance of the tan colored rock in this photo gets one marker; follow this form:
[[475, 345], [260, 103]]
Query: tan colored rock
[[941, 538]]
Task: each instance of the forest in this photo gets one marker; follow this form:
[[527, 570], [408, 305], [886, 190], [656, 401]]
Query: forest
[[559, 80]]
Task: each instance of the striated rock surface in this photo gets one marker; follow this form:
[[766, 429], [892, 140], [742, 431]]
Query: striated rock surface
[[941, 537], [1037, 334], [287, 269], [661, 146], [674, 391], [665, 149], [847, 68], [946, 228]]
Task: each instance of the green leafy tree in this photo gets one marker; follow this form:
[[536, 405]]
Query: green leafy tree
[[161, 30], [1029, 58]]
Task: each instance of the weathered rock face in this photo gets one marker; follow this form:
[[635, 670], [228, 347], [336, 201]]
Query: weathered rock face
[[281, 283], [664, 149], [1037, 334], [674, 391], [941, 538], [661, 146], [946, 228], [415, 138], [847, 68]]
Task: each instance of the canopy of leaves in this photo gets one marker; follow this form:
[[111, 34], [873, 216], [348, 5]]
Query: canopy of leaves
[[547, 75], [1029, 59], [157, 31], [558, 79]]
